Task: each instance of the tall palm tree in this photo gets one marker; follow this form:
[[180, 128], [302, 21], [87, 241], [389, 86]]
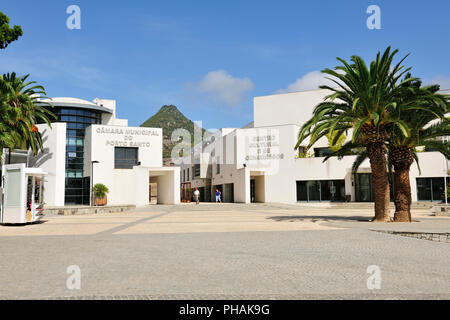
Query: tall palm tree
[[19, 112], [424, 126], [422, 110], [363, 101]]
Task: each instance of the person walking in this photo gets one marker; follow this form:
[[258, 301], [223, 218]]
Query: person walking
[[218, 196], [197, 196]]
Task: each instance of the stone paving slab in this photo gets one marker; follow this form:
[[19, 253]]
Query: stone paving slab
[[284, 263]]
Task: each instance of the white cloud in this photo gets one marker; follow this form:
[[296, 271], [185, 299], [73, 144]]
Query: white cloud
[[310, 81], [223, 87]]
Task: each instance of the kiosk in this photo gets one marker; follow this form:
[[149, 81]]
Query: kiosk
[[22, 194]]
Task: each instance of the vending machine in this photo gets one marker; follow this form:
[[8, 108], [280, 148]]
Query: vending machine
[[22, 194]]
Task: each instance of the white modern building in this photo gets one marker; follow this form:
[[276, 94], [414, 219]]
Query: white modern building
[[87, 145], [258, 163]]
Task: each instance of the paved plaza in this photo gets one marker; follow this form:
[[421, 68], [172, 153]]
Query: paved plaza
[[225, 251]]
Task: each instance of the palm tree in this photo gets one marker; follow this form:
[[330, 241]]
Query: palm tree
[[422, 111], [424, 126], [6, 136], [364, 101], [19, 112]]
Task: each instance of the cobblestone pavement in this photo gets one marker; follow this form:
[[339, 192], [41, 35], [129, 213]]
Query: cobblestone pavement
[[227, 251]]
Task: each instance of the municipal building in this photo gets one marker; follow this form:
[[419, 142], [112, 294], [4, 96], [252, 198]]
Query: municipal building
[[87, 144], [258, 163]]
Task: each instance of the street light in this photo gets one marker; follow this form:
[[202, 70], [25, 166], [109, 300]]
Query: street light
[[92, 181], [445, 180]]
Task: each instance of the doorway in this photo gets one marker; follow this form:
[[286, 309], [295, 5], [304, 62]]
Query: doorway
[[252, 191], [363, 187], [364, 190]]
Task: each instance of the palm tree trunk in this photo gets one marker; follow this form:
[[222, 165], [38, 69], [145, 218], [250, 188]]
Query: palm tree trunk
[[402, 158], [402, 195], [380, 181]]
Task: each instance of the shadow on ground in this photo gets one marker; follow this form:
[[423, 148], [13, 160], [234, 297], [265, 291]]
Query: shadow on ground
[[320, 218]]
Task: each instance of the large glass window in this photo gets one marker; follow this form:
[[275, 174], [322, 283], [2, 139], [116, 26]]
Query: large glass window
[[76, 189], [321, 190], [332, 190], [430, 189], [363, 187], [313, 190], [125, 158]]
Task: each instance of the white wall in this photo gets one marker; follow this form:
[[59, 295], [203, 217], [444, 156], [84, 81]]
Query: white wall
[[141, 179], [53, 161], [286, 108], [100, 144], [110, 118], [242, 186], [168, 183]]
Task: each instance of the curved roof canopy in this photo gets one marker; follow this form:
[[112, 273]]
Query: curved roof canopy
[[75, 103]]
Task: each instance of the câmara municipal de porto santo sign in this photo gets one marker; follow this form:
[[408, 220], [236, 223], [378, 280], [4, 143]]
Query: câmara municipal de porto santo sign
[[127, 136]]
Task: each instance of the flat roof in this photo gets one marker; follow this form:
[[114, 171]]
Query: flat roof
[[74, 103]]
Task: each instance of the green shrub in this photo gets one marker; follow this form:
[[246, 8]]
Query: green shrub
[[100, 190]]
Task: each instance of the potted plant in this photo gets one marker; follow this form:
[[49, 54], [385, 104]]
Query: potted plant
[[100, 191]]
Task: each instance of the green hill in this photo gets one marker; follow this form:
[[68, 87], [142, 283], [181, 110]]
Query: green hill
[[170, 118]]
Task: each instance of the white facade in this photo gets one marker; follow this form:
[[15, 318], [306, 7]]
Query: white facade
[[71, 147], [260, 164]]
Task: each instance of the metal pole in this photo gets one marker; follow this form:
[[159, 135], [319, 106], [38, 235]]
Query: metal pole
[[92, 183], [445, 179]]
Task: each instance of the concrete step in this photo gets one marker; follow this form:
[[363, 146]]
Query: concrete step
[[79, 210], [354, 205]]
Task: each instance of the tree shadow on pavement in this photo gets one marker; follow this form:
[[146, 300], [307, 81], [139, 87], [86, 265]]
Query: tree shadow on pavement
[[320, 218]]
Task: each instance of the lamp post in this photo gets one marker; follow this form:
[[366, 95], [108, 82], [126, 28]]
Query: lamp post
[[445, 180], [92, 181]]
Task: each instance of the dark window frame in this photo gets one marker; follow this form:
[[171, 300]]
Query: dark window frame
[[127, 160]]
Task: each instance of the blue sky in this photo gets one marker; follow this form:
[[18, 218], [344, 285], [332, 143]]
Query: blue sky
[[210, 58]]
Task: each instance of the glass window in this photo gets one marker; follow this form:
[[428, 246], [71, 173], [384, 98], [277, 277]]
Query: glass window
[[302, 192], [71, 133], [12, 196], [430, 189], [314, 190], [322, 152], [322, 190], [125, 158]]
